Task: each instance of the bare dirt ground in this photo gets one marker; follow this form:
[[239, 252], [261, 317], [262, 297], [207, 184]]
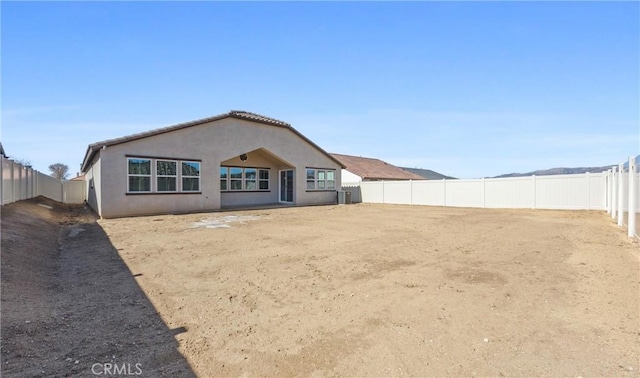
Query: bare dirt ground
[[68, 301], [358, 290], [375, 290]]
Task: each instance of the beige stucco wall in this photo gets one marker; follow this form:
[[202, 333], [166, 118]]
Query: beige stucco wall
[[212, 143], [92, 179]]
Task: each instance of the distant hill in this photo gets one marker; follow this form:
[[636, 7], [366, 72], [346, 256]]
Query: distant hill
[[558, 171], [427, 173]]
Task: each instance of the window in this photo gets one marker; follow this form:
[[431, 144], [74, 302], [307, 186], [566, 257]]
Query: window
[[244, 179], [139, 175], [224, 176], [331, 179], [161, 175], [311, 179], [166, 176], [190, 176], [236, 178], [250, 179], [321, 179], [264, 179]]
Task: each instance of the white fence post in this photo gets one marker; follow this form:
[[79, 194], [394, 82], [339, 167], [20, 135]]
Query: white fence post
[[588, 177], [632, 197], [614, 192], [13, 181], [484, 194], [444, 192], [410, 192], [608, 192], [383, 192], [533, 180], [620, 194]]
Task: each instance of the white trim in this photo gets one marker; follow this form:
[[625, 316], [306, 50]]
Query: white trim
[[244, 179], [182, 177], [150, 175], [157, 176], [317, 180]]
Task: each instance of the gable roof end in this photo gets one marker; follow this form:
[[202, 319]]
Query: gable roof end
[[93, 148]]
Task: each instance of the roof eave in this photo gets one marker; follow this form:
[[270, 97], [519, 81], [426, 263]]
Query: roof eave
[[92, 148]]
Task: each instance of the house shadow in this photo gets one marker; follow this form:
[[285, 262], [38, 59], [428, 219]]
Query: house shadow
[[109, 322]]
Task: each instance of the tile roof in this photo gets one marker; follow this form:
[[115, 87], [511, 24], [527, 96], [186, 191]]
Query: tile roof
[[238, 114], [427, 173], [375, 169]]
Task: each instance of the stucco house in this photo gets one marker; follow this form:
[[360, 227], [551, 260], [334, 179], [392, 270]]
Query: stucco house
[[358, 169], [231, 160]]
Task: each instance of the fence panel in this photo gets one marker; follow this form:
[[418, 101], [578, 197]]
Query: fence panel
[[513, 192], [562, 192], [428, 192], [7, 181], [372, 191], [464, 193], [74, 191], [573, 192], [597, 185], [24, 183], [49, 187], [17, 179], [623, 196], [397, 192]]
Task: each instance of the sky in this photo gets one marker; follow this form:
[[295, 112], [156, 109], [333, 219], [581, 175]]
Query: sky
[[468, 89]]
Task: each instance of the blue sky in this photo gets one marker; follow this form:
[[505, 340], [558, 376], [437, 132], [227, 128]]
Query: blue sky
[[469, 89]]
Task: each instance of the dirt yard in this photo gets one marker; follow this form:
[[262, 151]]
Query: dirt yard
[[356, 290], [70, 307], [374, 290]]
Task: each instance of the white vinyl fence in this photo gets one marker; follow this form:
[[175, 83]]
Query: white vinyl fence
[[571, 192], [624, 195], [617, 191], [20, 182]]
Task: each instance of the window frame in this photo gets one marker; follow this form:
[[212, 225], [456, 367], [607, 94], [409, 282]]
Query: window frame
[[243, 179], [150, 175], [318, 184], [261, 180], [158, 176], [311, 180], [225, 179], [183, 176], [240, 179], [153, 176]]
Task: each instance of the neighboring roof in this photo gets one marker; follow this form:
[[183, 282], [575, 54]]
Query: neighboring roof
[[428, 174], [238, 114], [2, 150], [78, 178], [375, 169]]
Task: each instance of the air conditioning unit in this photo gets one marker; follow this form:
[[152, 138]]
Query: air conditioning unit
[[344, 197]]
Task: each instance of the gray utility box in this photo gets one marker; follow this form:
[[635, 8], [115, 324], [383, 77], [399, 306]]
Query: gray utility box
[[344, 197]]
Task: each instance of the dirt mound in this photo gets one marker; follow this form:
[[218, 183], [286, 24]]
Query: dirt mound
[[70, 306]]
